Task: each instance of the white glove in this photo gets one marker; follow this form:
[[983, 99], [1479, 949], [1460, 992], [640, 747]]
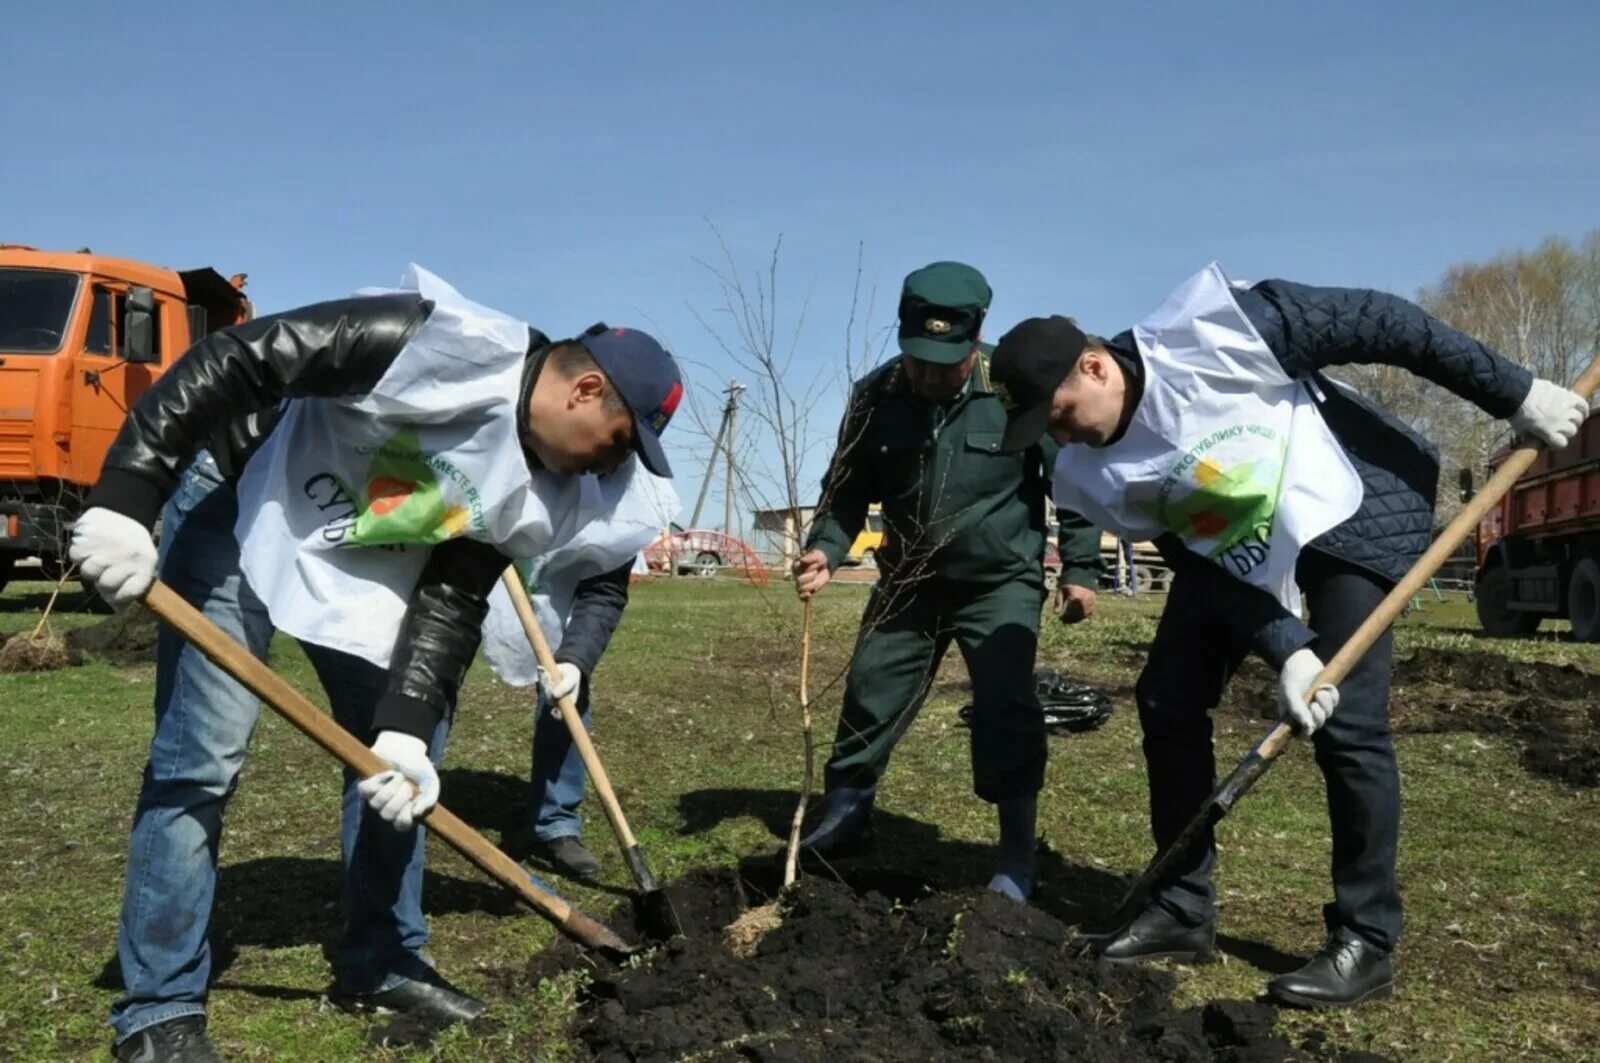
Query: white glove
[[115, 553], [564, 681], [1551, 414], [1299, 672], [403, 794]]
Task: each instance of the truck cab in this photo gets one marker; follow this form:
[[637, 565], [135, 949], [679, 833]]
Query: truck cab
[[81, 338]]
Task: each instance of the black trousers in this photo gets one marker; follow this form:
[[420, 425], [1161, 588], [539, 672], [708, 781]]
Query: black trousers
[[1189, 666]]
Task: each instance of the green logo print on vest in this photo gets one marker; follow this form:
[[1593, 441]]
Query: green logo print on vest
[[403, 502], [1232, 496]]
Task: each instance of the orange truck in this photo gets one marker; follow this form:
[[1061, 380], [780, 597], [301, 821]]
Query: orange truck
[[81, 337]]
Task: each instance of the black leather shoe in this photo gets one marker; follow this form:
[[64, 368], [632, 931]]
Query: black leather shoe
[[435, 1002], [1348, 970], [181, 1040], [567, 856], [1157, 934]]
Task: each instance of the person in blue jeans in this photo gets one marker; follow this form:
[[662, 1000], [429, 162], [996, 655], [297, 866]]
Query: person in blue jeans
[[204, 720], [587, 405], [558, 776]]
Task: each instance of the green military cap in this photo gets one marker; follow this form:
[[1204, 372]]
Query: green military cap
[[941, 310]]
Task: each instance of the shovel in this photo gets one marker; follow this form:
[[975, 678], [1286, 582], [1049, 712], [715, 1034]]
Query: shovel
[[1259, 759], [293, 706], [652, 907]]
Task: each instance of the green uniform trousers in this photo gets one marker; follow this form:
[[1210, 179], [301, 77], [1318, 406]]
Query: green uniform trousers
[[904, 634]]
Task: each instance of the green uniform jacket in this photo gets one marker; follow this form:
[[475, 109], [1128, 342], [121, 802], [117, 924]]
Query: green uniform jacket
[[955, 506]]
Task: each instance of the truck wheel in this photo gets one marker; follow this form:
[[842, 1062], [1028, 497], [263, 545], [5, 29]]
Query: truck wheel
[[1493, 593], [7, 563], [1583, 600]]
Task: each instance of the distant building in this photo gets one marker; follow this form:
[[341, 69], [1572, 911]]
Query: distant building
[[775, 536]]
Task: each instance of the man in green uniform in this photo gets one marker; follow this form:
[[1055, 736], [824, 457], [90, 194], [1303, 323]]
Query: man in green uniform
[[962, 560]]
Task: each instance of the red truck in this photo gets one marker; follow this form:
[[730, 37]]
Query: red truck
[[1539, 547]]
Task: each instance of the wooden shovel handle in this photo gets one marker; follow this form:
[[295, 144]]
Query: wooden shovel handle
[[1389, 610], [569, 711], [293, 706]]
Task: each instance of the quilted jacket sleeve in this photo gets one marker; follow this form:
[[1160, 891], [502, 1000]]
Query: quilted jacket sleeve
[[1311, 328]]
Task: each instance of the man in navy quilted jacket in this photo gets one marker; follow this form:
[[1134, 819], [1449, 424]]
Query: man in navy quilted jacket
[[1211, 429]]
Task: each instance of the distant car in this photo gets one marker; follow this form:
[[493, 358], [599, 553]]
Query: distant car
[[699, 551]]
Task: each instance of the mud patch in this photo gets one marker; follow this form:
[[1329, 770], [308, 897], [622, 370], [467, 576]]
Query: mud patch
[[126, 638], [1551, 711], [1491, 673], [867, 976]]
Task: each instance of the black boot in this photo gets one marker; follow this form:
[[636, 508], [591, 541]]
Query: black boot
[[180, 1040], [1015, 860], [1157, 934], [567, 856], [1348, 970], [846, 827]]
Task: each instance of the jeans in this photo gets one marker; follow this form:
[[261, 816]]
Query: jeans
[[558, 774], [1190, 664], [203, 723]]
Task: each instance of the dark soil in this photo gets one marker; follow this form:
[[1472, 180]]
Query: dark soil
[[127, 638], [913, 975], [1553, 711]]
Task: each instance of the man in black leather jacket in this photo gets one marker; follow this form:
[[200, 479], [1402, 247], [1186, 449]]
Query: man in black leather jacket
[[1089, 392], [585, 405]]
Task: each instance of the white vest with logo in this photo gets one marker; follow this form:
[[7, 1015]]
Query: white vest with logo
[[1225, 450], [339, 508]]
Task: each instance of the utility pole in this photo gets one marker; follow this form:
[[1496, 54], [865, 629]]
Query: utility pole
[[734, 390], [724, 433]]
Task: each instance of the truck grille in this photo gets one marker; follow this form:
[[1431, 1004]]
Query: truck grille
[[16, 450]]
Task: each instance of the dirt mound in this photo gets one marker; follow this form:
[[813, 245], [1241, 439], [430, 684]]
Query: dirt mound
[[127, 638], [1552, 711], [1488, 673], [852, 976]]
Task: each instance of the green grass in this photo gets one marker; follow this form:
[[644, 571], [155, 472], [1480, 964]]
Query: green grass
[[696, 720]]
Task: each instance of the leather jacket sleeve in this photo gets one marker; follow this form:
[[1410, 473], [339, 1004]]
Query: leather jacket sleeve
[[440, 636], [233, 380]]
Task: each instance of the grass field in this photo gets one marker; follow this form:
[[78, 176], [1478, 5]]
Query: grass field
[[695, 717]]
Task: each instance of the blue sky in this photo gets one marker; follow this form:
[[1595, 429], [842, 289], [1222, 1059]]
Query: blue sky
[[560, 161]]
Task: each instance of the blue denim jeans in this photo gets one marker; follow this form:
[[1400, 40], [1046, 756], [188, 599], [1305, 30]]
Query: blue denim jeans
[[203, 723], [558, 774]]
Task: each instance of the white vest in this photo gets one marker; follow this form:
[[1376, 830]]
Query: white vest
[[339, 507], [1225, 450]]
